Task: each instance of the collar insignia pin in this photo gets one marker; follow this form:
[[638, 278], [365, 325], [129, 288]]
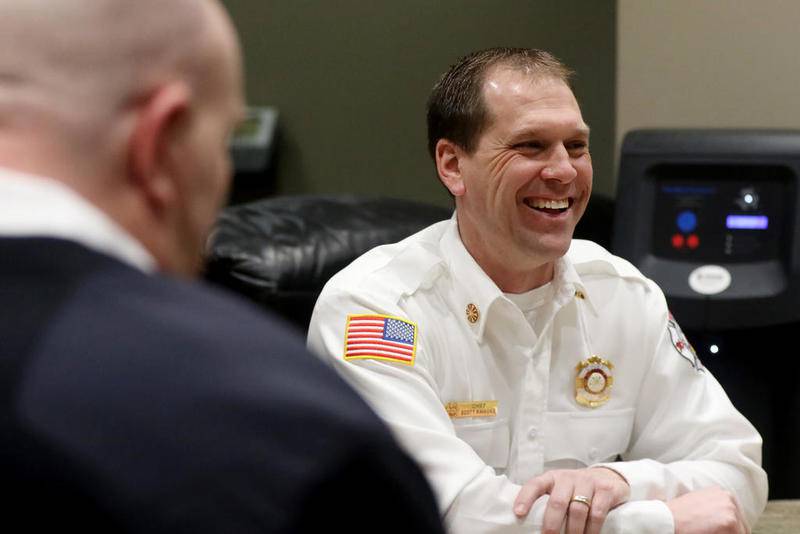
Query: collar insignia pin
[[593, 382], [472, 313]]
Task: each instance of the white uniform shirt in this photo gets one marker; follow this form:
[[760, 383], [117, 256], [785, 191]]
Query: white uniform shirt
[[668, 427]]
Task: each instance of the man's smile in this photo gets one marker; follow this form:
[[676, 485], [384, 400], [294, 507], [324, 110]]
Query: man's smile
[[550, 206]]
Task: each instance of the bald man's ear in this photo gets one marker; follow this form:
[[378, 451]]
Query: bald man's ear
[[448, 165], [160, 124]]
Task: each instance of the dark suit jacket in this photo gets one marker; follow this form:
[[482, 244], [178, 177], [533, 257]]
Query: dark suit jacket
[[146, 404]]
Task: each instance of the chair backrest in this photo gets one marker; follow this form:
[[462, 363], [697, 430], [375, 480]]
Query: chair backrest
[[280, 251]]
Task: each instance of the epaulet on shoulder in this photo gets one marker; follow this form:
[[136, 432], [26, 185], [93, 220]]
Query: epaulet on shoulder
[[398, 268], [415, 267], [589, 258]]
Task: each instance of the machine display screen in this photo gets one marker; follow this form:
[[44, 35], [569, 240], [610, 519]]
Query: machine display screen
[[721, 213], [747, 222]]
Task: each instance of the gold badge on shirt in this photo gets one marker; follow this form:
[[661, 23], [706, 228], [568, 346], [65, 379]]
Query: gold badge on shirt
[[593, 382]]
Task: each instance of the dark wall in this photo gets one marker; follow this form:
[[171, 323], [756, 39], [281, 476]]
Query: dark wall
[[350, 79]]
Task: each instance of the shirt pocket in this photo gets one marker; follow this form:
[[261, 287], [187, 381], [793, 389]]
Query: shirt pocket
[[489, 439], [580, 439]]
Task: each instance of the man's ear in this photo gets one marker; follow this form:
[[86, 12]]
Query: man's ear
[[448, 165], [160, 125]]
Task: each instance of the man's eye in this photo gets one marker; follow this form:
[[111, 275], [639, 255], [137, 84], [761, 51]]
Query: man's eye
[[530, 145], [577, 146]]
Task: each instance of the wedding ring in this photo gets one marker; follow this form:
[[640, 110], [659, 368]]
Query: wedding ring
[[582, 499]]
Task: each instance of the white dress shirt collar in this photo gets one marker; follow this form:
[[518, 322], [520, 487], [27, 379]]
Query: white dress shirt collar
[[480, 290], [34, 206]]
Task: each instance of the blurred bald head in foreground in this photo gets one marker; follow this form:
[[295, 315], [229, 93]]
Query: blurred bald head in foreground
[[128, 103], [135, 402]]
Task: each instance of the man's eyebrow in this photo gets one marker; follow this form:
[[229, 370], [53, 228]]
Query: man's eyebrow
[[582, 130]]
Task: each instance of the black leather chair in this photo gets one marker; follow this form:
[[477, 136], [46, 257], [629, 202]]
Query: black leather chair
[[280, 251]]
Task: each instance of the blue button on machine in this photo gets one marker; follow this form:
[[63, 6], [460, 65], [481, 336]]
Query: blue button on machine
[[687, 221]]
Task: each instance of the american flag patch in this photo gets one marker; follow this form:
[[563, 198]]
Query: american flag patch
[[380, 337]]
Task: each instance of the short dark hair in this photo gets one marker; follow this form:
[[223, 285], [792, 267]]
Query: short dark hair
[[456, 110]]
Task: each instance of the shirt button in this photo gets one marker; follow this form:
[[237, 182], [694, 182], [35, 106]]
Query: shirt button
[[532, 433]]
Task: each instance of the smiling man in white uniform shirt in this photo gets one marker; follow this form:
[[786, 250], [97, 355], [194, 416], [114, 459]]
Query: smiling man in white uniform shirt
[[540, 382]]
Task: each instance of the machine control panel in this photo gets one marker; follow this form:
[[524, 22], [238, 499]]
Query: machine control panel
[[719, 213], [713, 216]]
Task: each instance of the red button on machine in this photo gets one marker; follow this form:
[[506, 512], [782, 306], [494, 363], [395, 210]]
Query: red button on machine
[[693, 241], [677, 241]]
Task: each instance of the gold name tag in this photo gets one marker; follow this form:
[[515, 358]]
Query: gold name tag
[[471, 409]]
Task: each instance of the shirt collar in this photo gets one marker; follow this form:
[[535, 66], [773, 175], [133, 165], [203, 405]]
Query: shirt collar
[[570, 282], [34, 206], [474, 287]]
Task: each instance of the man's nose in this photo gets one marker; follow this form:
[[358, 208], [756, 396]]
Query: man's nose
[[559, 166]]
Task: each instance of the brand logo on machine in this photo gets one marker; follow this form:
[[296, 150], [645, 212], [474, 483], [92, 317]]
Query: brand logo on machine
[[710, 279]]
